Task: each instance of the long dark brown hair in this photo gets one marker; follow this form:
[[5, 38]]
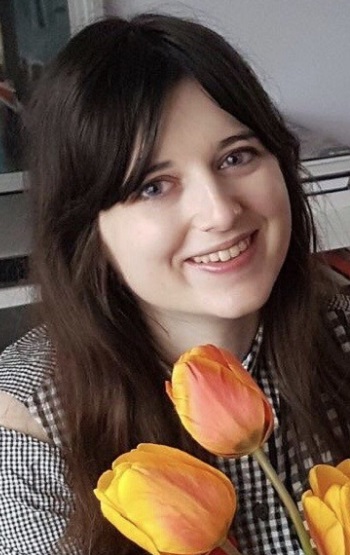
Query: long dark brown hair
[[105, 90]]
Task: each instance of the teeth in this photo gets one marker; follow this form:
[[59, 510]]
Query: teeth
[[224, 255], [234, 251], [214, 257]]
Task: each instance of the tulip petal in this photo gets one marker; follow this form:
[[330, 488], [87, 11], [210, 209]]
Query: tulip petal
[[172, 510], [107, 490], [105, 480], [323, 476], [155, 455], [325, 529], [209, 354], [177, 456], [338, 499], [269, 421], [345, 509], [344, 467], [128, 529], [332, 499], [115, 513]]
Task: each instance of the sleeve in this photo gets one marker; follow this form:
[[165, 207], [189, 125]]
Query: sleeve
[[35, 499]]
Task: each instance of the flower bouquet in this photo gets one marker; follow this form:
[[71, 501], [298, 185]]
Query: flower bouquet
[[169, 502]]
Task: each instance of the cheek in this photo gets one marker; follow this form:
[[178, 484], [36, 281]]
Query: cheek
[[282, 209], [131, 239], [272, 200]]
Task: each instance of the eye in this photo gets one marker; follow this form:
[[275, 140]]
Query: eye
[[239, 157], [154, 189]]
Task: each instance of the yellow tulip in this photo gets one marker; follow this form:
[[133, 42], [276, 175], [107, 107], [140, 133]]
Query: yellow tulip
[[327, 508], [167, 501], [219, 403]]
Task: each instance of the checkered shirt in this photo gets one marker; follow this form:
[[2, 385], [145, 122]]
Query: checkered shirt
[[36, 502]]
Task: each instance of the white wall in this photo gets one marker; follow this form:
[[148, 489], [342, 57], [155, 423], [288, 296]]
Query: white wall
[[299, 48]]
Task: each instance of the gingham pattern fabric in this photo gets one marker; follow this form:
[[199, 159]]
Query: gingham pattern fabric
[[36, 502]]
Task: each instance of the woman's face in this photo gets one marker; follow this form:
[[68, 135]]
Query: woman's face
[[210, 230]]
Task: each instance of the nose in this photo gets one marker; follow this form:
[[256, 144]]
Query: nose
[[216, 206]]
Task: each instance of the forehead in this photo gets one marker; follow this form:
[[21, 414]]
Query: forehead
[[191, 117]]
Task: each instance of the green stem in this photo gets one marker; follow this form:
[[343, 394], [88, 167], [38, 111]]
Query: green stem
[[286, 499]]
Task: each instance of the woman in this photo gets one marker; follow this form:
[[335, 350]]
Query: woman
[[168, 213]]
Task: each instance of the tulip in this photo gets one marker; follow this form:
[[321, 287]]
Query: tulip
[[167, 501], [219, 403], [225, 411], [327, 508]]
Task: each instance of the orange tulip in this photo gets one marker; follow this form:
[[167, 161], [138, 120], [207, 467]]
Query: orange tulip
[[167, 501], [219, 403], [225, 411], [327, 508]]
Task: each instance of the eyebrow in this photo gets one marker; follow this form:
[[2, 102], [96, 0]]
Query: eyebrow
[[245, 135], [157, 167]]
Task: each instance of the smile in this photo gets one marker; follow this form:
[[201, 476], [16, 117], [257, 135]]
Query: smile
[[224, 255]]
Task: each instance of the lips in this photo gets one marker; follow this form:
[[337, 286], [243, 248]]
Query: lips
[[224, 255]]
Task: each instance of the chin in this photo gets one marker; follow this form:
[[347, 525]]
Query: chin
[[235, 308]]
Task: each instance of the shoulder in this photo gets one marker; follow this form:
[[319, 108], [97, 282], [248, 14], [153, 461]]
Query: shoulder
[[27, 364], [28, 397], [35, 498]]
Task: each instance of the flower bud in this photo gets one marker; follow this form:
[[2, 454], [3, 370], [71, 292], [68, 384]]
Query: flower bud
[[219, 403], [167, 501]]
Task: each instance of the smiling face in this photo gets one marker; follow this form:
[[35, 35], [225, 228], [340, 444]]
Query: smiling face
[[210, 229]]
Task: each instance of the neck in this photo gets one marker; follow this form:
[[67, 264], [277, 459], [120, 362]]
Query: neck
[[177, 333]]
